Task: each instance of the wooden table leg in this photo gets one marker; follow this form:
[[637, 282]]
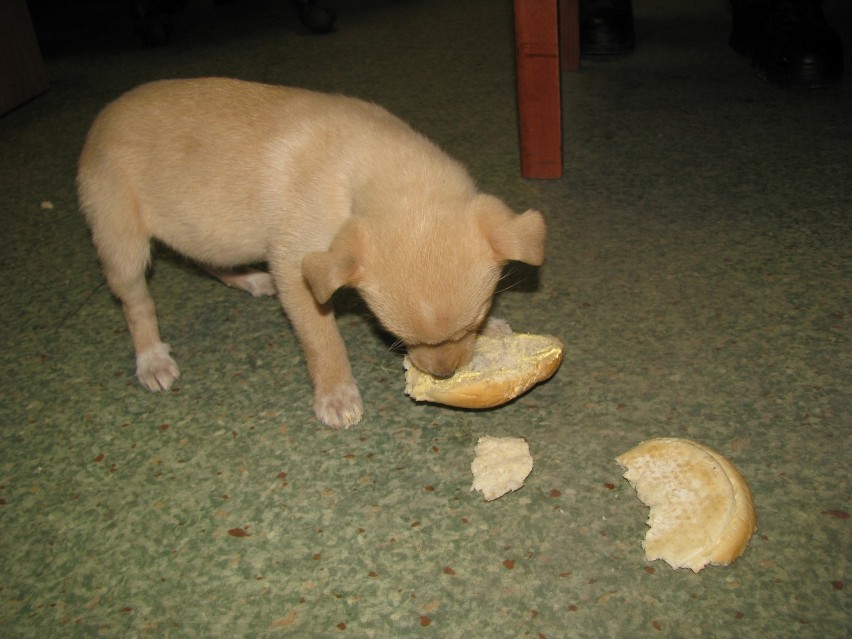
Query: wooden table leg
[[538, 84]]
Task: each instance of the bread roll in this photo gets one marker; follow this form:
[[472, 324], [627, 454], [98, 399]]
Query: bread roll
[[503, 367], [702, 510]]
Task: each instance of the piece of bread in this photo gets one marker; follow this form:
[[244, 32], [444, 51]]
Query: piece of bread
[[503, 367], [500, 466], [702, 510]]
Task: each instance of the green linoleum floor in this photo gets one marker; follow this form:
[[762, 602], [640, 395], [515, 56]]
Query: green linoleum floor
[[698, 271]]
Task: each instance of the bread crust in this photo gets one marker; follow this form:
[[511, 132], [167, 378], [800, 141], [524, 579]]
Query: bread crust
[[701, 508], [503, 367]]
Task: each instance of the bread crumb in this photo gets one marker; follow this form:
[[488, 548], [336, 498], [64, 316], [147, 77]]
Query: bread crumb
[[500, 466]]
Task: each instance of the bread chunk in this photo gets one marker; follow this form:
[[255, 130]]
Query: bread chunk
[[501, 465], [701, 508]]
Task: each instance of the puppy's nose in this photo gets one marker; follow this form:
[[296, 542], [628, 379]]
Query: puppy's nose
[[439, 362], [439, 370]]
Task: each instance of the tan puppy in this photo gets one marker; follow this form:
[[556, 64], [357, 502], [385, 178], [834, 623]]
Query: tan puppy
[[329, 191]]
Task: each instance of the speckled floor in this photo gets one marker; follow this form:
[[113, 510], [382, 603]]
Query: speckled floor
[[698, 270]]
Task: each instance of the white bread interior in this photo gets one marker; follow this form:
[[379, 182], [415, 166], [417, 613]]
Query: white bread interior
[[503, 367], [701, 508], [500, 466]]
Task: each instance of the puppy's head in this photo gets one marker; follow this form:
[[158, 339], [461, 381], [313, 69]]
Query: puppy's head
[[430, 280]]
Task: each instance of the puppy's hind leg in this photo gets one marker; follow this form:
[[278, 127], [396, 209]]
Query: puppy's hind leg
[[125, 255], [155, 368], [256, 282]]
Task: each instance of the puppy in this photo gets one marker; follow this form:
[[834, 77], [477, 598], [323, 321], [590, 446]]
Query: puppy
[[328, 191]]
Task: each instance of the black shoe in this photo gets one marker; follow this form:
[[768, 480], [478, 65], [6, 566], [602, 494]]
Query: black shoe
[[316, 15], [790, 42], [606, 27]]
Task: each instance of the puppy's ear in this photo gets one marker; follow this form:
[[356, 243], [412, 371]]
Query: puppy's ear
[[340, 265], [513, 237]]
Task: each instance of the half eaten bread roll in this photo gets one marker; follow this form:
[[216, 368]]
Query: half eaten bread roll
[[503, 367], [702, 510]]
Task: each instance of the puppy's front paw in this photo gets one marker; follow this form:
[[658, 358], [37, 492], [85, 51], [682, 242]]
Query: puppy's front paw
[[340, 408], [155, 369]]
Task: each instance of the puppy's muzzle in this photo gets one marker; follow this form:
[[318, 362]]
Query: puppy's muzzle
[[442, 360]]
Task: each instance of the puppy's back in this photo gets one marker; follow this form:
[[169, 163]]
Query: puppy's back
[[200, 160]]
